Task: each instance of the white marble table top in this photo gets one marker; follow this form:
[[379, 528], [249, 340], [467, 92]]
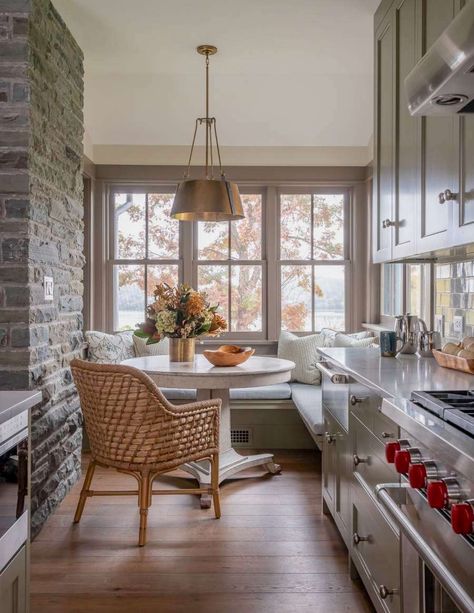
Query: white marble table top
[[256, 371]]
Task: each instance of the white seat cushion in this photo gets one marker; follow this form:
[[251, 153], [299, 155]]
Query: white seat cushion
[[308, 401], [279, 391], [170, 393]]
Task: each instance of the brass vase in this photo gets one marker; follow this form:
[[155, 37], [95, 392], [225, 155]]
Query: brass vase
[[182, 349]]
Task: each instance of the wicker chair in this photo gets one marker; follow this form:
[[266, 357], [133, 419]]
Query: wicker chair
[[133, 428]]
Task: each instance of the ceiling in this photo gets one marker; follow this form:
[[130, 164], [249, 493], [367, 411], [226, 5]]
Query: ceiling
[[288, 73]]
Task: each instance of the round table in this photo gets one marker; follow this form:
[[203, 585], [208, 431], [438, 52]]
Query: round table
[[213, 382]]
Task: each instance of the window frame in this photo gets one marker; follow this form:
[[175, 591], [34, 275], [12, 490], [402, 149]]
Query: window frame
[[270, 256], [113, 261], [345, 261], [229, 262]]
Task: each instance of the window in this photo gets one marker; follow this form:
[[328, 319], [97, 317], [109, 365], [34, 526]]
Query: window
[[406, 288], [145, 251], [230, 266], [286, 265], [313, 260]]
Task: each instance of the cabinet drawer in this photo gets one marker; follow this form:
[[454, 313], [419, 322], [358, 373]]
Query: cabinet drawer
[[366, 407], [370, 453], [13, 587], [378, 558]]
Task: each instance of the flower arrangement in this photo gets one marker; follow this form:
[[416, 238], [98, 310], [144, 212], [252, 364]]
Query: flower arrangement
[[180, 312]]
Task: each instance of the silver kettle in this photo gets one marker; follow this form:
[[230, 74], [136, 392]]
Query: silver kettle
[[407, 329]]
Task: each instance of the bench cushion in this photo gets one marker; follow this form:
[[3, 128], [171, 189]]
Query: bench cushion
[[308, 401], [170, 393], [279, 391]]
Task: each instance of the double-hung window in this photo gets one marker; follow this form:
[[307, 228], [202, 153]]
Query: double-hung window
[[229, 265], [145, 250], [314, 259], [286, 265]]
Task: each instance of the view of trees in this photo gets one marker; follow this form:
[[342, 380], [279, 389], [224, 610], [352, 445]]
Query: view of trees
[[311, 228], [229, 266]]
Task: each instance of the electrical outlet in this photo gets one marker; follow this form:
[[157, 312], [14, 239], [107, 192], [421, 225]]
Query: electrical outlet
[[458, 324], [439, 324]]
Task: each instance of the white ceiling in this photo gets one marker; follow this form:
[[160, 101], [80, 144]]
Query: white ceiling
[[289, 73]]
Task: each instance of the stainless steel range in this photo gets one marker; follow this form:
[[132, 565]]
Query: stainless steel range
[[433, 504]]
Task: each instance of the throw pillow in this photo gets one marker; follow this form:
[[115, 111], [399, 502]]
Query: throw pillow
[[347, 340], [106, 348], [329, 336], [303, 351], [142, 349]]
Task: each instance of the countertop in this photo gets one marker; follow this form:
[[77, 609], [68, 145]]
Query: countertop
[[396, 377], [14, 403]]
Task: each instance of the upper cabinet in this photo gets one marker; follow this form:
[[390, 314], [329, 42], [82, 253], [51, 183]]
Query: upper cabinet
[[416, 160]]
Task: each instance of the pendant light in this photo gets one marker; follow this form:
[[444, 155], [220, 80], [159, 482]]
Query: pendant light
[[207, 199]]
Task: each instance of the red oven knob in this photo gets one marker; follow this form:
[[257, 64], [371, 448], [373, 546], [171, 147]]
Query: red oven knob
[[462, 517], [437, 492], [390, 451], [402, 460], [405, 457], [417, 475]]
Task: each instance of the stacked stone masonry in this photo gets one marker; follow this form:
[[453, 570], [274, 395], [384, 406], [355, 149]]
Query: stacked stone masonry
[[41, 234]]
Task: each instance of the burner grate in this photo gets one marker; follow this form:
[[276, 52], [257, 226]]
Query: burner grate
[[455, 407]]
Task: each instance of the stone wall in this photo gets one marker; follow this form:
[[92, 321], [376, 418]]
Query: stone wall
[[41, 233]]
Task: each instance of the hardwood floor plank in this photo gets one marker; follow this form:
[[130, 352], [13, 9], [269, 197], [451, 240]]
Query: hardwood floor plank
[[272, 550]]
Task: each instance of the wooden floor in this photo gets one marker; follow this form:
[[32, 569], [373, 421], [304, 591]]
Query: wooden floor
[[271, 552]]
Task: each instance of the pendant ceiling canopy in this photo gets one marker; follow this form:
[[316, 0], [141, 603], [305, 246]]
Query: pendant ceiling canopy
[[209, 198]]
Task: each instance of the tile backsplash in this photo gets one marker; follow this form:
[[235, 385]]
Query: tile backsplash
[[454, 296]]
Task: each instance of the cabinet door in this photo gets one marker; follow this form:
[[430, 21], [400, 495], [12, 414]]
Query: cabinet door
[[382, 202], [463, 221], [329, 461], [439, 146], [407, 190], [13, 588]]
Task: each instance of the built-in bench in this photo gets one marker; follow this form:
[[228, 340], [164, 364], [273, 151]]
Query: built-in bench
[[305, 398]]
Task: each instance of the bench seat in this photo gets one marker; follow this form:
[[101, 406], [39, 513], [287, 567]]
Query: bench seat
[[306, 398]]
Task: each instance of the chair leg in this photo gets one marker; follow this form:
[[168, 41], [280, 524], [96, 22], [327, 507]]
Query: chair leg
[[84, 492], [215, 485], [144, 501]]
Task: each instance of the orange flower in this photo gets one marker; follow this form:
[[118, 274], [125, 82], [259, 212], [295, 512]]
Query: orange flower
[[218, 324], [195, 304]]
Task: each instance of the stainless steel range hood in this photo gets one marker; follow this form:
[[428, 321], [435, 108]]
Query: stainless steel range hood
[[442, 82]]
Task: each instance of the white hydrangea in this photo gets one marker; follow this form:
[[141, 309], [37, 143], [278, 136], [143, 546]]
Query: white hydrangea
[[165, 322]]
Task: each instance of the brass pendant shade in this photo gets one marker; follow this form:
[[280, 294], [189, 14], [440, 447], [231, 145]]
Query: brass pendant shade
[[209, 198]]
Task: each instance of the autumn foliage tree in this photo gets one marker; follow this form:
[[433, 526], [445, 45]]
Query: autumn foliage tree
[[230, 253]]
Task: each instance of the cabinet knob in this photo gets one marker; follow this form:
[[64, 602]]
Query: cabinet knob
[[385, 592], [355, 400], [388, 435], [386, 223], [358, 460], [446, 196], [356, 538], [330, 438]]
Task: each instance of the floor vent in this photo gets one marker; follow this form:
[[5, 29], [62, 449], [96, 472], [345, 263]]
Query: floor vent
[[241, 437]]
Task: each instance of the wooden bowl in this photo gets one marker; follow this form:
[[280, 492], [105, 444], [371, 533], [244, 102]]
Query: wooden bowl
[[228, 355], [446, 360]]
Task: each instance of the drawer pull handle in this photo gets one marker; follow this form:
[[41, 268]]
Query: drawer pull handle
[[384, 592], [355, 400], [358, 460], [356, 538], [388, 435], [446, 196]]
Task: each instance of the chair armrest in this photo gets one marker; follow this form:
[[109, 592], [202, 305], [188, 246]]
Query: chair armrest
[[190, 408]]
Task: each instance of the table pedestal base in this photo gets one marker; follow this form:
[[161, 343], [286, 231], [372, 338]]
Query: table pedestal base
[[230, 462]]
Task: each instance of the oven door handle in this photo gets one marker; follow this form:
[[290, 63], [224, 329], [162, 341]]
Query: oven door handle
[[334, 377], [439, 569]]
